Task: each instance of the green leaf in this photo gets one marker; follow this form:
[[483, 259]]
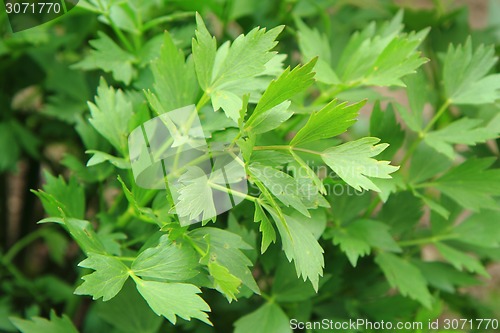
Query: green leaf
[[352, 162], [301, 246], [471, 184], [195, 196], [111, 240], [133, 199], [357, 239], [266, 228], [267, 318], [465, 74], [333, 119], [224, 281], [99, 157], [427, 163], [461, 260], [380, 56], [236, 69], [246, 57], [289, 84], [406, 277], [111, 115], [204, 49], [310, 187], [59, 194], [271, 118], [167, 261], [402, 212], [287, 287], [281, 185], [433, 205], [41, 325], [107, 280], [174, 80], [13, 137], [398, 59], [388, 186], [89, 135], [348, 206], [383, 125], [128, 312], [225, 247], [229, 102], [9, 146], [444, 276], [174, 299], [417, 89], [109, 57], [83, 233], [314, 44], [464, 131], [57, 245], [481, 229]]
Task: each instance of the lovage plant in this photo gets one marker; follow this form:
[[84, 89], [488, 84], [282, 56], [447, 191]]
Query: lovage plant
[[232, 191]]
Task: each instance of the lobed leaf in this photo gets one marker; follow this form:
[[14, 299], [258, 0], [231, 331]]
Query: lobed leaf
[[110, 115], [405, 276], [302, 247], [465, 74], [358, 238], [471, 184], [174, 299], [353, 162], [41, 325], [266, 228], [267, 318], [174, 79], [333, 119], [464, 131], [107, 280], [167, 261], [109, 57]]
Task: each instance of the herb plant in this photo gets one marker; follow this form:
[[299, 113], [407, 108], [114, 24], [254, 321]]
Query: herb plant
[[359, 204]]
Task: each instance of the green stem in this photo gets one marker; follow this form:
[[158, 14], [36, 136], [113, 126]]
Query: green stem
[[268, 298], [125, 217], [233, 192], [427, 240], [330, 94], [164, 19], [372, 206], [134, 277], [288, 148], [194, 245], [22, 280], [410, 150], [427, 128], [118, 32], [203, 100], [177, 173], [438, 115], [233, 143], [21, 244]]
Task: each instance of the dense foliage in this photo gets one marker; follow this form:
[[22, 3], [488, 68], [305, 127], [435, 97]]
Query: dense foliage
[[368, 134]]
